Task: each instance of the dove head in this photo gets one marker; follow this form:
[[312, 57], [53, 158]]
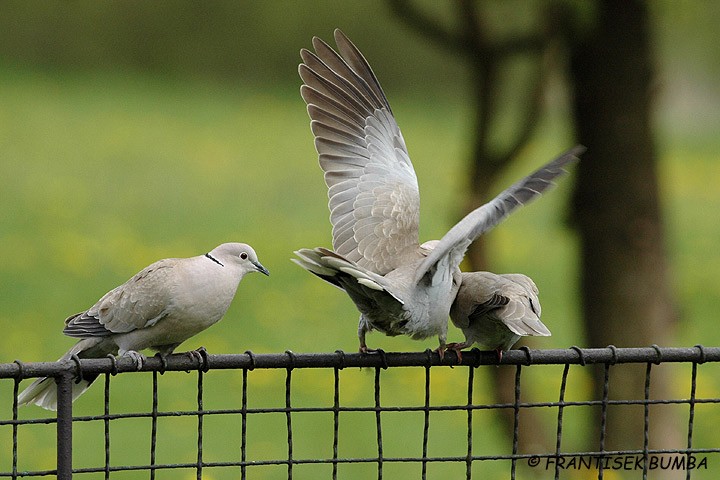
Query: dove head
[[240, 255]]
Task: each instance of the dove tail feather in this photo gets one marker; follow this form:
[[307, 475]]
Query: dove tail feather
[[342, 273], [43, 392]]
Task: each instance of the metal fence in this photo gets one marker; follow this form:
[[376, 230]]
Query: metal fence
[[691, 460]]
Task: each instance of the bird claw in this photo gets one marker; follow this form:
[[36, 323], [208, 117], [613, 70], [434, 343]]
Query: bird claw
[[499, 353], [365, 349], [195, 354], [457, 347], [200, 355], [139, 358], [163, 362]]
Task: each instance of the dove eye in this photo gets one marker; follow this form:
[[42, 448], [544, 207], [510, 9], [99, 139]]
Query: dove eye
[[244, 255]]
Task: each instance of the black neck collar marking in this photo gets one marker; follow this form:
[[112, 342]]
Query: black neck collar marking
[[214, 259]]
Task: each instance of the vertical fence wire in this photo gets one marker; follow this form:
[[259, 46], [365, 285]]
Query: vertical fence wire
[[243, 427], [336, 420], [200, 418], [469, 459], [288, 423], [378, 425], [516, 423], [106, 425], [426, 424], [559, 431], [153, 425], [691, 415], [646, 421], [603, 420], [16, 389]]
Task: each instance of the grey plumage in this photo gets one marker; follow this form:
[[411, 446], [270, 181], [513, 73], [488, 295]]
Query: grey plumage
[[496, 310], [158, 308], [399, 286]]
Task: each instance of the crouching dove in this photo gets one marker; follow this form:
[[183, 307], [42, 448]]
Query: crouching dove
[[496, 310], [159, 308], [399, 286]]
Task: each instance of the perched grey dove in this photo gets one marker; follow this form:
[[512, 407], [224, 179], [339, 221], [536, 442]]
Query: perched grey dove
[[399, 286], [496, 310], [159, 308]]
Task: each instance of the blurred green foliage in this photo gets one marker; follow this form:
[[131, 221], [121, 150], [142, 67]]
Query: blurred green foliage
[[255, 41], [132, 131], [249, 39]]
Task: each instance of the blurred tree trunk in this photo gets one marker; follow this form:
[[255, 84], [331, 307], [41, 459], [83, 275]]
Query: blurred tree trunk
[[616, 209], [625, 295]]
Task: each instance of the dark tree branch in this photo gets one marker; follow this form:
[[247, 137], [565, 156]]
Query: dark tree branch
[[426, 25], [533, 44], [471, 41], [529, 121], [474, 30]]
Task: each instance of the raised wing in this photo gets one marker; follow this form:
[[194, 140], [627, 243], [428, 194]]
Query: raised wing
[[138, 303], [373, 192], [457, 240]]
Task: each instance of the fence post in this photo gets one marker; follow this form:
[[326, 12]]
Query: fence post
[[64, 425]]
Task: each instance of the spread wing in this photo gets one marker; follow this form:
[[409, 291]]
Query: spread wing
[[138, 303], [457, 240], [373, 193]]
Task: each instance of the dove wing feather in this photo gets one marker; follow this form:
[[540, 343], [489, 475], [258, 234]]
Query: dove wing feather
[[457, 240], [373, 192], [138, 303]]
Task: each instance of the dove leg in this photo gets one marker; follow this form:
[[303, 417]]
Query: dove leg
[[442, 347], [363, 346], [363, 328]]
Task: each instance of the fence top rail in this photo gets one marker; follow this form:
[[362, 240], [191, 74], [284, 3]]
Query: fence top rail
[[204, 361]]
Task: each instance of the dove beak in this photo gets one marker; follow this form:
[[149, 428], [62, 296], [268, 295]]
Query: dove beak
[[260, 268]]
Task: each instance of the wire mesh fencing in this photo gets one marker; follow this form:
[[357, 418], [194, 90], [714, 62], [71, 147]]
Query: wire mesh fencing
[[382, 415]]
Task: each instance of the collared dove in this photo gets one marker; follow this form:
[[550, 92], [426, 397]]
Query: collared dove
[[496, 310], [159, 308], [399, 286]]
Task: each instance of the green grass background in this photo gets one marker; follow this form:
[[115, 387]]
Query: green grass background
[[102, 174]]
